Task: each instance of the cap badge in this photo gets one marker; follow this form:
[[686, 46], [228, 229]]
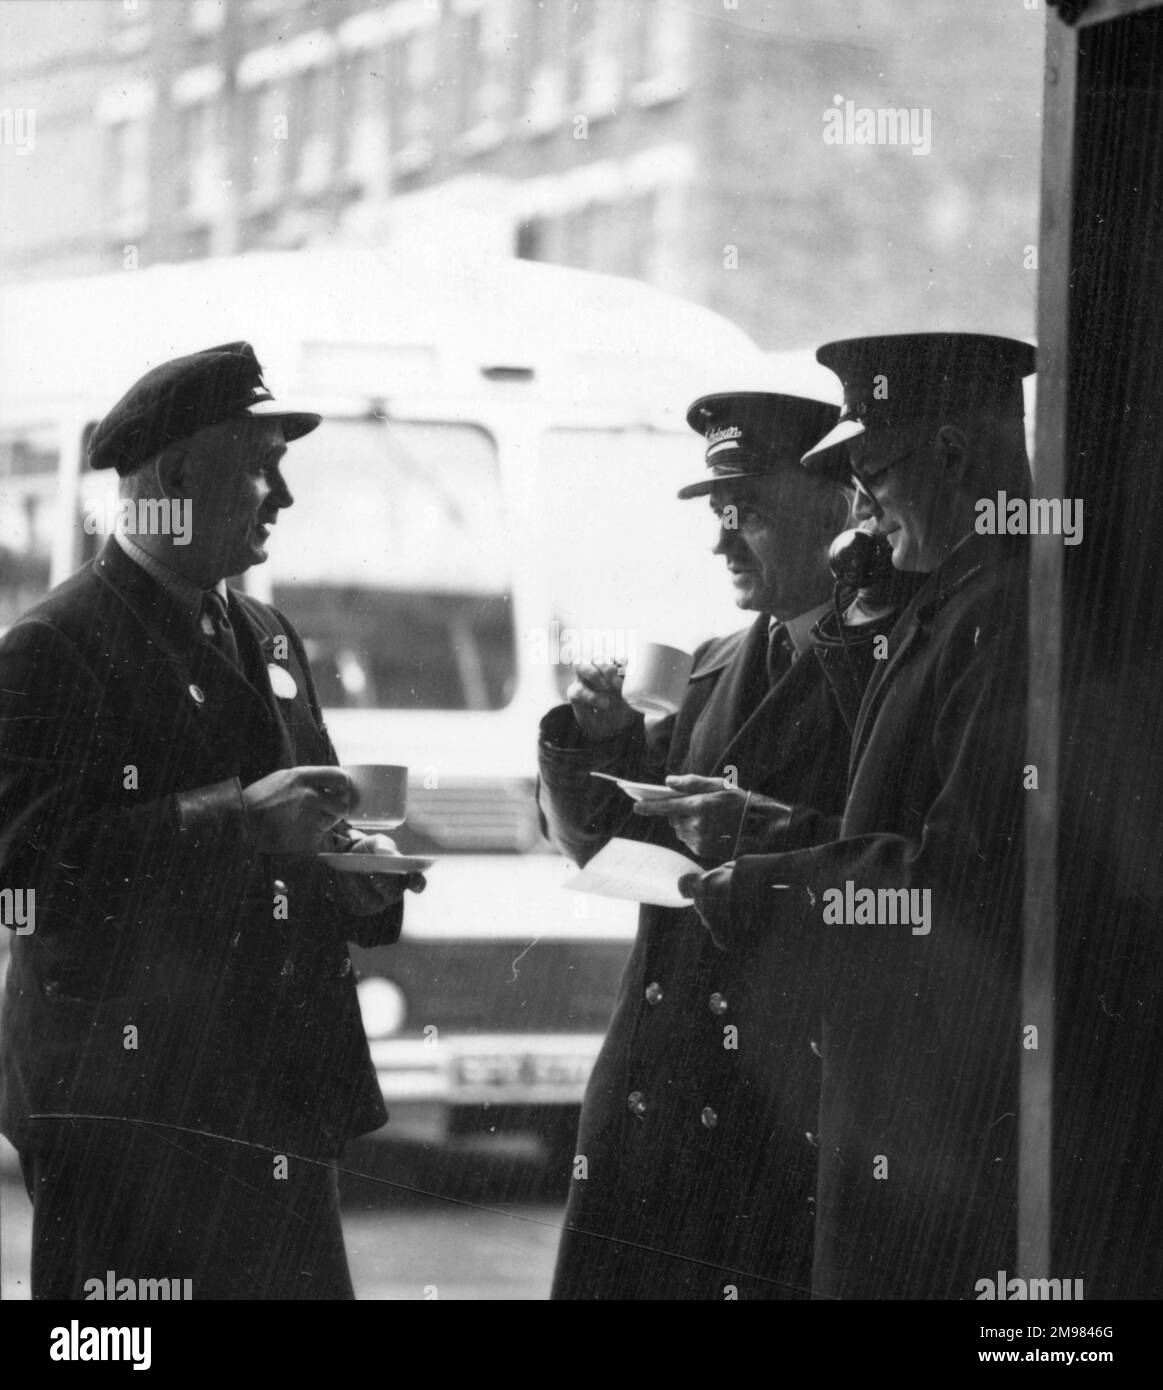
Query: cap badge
[[724, 433]]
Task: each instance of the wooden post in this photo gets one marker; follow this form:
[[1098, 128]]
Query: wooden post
[[1035, 1191]]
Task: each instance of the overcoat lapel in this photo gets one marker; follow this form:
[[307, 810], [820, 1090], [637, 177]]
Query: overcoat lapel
[[738, 689], [879, 682], [912, 631], [230, 707], [252, 648], [742, 725]]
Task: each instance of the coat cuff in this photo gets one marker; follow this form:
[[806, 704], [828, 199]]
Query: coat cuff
[[214, 815], [381, 929], [560, 733], [773, 827]]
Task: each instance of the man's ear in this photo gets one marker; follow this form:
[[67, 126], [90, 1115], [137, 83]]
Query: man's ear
[[173, 467], [955, 461]]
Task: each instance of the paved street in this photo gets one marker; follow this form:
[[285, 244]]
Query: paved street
[[467, 1240]]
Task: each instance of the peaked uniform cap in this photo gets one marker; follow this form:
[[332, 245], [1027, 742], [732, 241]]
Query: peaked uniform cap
[[904, 378], [752, 434], [178, 398]]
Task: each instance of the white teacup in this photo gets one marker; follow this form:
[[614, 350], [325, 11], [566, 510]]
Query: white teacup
[[383, 795], [656, 678]]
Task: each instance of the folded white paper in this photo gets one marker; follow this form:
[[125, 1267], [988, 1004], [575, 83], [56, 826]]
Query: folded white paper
[[640, 872]]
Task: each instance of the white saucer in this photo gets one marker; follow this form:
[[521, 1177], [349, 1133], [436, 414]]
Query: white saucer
[[348, 863]]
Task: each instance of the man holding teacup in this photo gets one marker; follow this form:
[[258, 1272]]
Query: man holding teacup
[[183, 1057], [698, 1179]]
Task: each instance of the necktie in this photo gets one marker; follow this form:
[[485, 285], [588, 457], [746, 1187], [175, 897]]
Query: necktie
[[216, 626], [779, 656]]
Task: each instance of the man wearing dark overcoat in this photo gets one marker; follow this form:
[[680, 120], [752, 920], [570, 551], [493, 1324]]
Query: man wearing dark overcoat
[[694, 1175], [183, 1056], [917, 901]]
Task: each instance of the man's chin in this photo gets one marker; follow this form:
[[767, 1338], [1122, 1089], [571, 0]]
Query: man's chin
[[254, 554]]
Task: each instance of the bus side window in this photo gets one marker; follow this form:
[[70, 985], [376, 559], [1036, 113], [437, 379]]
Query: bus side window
[[29, 463], [96, 507]]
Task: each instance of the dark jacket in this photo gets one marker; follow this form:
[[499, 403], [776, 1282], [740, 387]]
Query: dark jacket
[[699, 1178], [173, 975], [921, 1032]]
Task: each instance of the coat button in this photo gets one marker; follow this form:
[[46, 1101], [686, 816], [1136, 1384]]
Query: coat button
[[717, 1004], [815, 1046], [654, 993], [636, 1103], [708, 1117], [813, 1139]]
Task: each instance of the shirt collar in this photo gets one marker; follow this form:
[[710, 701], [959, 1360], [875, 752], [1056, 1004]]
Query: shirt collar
[[799, 629], [184, 592]]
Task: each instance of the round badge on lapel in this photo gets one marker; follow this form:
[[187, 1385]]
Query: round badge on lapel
[[197, 694], [282, 682]]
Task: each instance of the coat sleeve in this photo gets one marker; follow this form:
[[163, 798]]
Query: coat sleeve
[[62, 829], [580, 813], [968, 850], [798, 825], [378, 929]]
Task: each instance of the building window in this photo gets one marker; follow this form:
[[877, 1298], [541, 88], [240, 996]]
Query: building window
[[311, 132], [131, 21], [29, 516], [417, 124], [530, 241], [205, 16], [545, 64], [596, 45], [661, 53], [269, 130], [365, 97], [627, 217], [129, 182], [203, 195], [486, 40]]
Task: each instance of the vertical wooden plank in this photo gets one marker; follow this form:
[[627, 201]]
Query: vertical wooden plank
[[1035, 1190]]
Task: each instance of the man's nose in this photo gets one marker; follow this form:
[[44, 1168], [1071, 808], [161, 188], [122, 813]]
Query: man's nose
[[280, 493], [864, 505], [729, 539]]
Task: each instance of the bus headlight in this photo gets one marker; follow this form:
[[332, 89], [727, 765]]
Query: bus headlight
[[381, 1004]]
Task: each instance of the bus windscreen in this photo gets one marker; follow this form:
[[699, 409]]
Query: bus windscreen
[[392, 566]]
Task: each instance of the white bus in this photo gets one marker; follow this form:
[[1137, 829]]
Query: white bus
[[492, 489]]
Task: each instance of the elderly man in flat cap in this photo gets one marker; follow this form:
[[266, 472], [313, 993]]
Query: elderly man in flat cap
[[698, 1180], [183, 1057], [917, 900]]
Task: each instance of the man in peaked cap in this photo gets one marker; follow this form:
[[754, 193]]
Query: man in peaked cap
[[698, 1179], [917, 899], [183, 1057]]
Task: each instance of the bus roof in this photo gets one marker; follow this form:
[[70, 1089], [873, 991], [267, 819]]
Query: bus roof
[[374, 324]]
